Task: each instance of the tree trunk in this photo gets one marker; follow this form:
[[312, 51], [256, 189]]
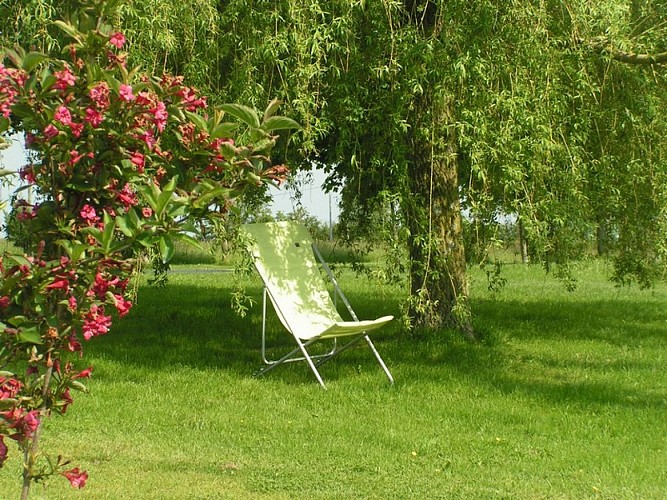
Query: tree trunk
[[601, 240], [439, 285], [523, 243]]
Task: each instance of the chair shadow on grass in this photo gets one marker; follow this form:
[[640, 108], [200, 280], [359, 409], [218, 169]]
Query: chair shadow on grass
[[185, 325]]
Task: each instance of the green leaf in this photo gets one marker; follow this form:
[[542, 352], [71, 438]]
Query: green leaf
[[122, 222], [107, 235], [224, 130], [151, 193], [197, 120], [32, 59], [75, 384], [186, 238], [30, 336], [133, 219], [271, 109], [68, 28], [165, 196], [17, 321], [4, 126], [207, 198], [19, 259], [244, 113], [280, 123], [166, 248], [114, 84], [7, 403]]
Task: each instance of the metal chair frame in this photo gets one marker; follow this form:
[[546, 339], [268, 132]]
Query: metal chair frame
[[314, 361]]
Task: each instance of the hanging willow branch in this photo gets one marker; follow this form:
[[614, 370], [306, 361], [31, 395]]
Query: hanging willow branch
[[631, 58], [603, 45]]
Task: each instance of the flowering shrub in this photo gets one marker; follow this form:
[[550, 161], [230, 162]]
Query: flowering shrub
[[122, 163]]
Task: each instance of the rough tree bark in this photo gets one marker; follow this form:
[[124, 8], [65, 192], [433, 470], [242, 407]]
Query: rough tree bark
[[438, 277]]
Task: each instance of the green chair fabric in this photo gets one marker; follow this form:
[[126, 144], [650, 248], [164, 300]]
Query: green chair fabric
[[283, 255]]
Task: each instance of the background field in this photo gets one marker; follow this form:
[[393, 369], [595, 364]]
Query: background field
[[565, 397]]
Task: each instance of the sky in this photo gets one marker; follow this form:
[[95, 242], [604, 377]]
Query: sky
[[318, 203], [12, 158]]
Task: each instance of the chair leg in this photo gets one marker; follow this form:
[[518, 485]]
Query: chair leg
[[310, 363], [344, 347], [270, 365], [380, 360], [352, 343]]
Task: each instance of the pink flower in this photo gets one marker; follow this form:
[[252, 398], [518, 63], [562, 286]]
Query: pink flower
[[72, 304], [138, 160], [24, 423], [88, 214], [26, 211], [122, 306], [67, 398], [9, 388], [4, 301], [119, 59], [127, 197], [126, 93], [146, 99], [73, 344], [50, 131], [94, 117], [190, 100], [148, 138], [146, 211], [76, 129], [3, 451], [101, 285], [83, 373], [75, 156], [100, 95], [30, 423], [63, 115], [117, 40], [161, 115], [64, 79], [76, 477], [27, 174], [60, 283], [95, 322]]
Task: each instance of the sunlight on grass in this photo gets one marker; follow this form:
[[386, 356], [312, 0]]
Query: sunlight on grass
[[564, 398]]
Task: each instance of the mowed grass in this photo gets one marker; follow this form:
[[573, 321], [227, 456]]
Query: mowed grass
[[565, 397]]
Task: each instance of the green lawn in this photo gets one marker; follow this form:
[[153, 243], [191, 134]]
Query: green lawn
[[566, 397]]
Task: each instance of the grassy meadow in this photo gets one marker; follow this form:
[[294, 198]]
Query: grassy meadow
[[565, 398]]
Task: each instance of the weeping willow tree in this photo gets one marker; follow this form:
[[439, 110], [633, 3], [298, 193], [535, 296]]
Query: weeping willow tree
[[549, 112]]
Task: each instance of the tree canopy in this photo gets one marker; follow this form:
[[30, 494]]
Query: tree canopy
[[422, 110]]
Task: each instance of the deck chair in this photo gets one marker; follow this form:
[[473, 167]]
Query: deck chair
[[284, 256]]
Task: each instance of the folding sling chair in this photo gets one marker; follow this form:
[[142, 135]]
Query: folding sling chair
[[284, 256]]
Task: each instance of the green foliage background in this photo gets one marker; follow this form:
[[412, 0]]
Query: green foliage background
[[548, 126]]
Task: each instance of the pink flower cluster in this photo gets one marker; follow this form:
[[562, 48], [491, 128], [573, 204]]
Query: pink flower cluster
[[3, 451], [77, 478], [64, 79], [24, 422], [117, 40], [9, 387], [11, 80], [98, 143], [95, 322]]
